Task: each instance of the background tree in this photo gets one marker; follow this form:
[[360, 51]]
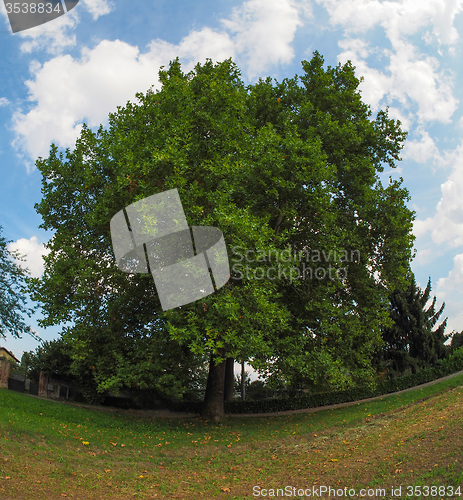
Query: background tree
[[414, 341], [148, 362], [274, 165], [13, 300], [457, 340], [51, 356]]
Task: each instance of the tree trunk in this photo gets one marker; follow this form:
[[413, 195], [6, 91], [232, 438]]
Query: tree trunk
[[43, 385], [213, 407], [229, 379]]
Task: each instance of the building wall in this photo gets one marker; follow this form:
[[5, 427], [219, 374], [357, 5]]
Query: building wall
[[4, 353]]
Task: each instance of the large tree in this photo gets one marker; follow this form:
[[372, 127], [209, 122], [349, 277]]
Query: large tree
[[289, 167], [13, 298], [361, 222]]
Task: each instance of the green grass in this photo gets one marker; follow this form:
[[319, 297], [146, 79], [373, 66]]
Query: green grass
[[415, 438]]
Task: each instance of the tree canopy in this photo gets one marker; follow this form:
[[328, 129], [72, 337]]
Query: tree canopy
[[295, 167], [13, 299]]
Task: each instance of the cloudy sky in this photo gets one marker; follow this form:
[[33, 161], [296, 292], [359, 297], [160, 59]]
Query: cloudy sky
[[81, 66]]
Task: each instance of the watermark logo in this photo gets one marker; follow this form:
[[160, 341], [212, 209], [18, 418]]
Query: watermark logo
[[30, 13], [152, 236], [292, 265]]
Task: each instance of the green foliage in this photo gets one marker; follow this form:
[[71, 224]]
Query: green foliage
[[413, 341], [294, 164], [343, 205], [258, 390], [52, 357], [457, 341], [152, 363], [12, 294], [452, 364]]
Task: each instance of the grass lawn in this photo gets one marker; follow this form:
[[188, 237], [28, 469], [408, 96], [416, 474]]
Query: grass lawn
[[51, 450]]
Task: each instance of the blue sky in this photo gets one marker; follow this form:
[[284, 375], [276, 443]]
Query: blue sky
[[81, 66]]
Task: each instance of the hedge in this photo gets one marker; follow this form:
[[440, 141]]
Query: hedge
[[447, 366]]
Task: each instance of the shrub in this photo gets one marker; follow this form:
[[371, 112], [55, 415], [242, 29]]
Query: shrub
[[443, 367]]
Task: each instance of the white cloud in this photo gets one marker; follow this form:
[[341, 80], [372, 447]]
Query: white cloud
[[53, 37], [356, 16], [400, 114], [68, 91], [442, 15], [195, 47], [398, 18], [454, 280], [449, 289], [4, 101], [259, 34], [65, 91], [33, 253], [58, 35], [375, 84], [446, 226], [98, 8], [410, 79], [416, 80], [424, 257], [263, 31], [421, 150]]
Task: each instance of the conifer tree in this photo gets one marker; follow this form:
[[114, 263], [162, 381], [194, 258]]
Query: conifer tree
[[414, 341]]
